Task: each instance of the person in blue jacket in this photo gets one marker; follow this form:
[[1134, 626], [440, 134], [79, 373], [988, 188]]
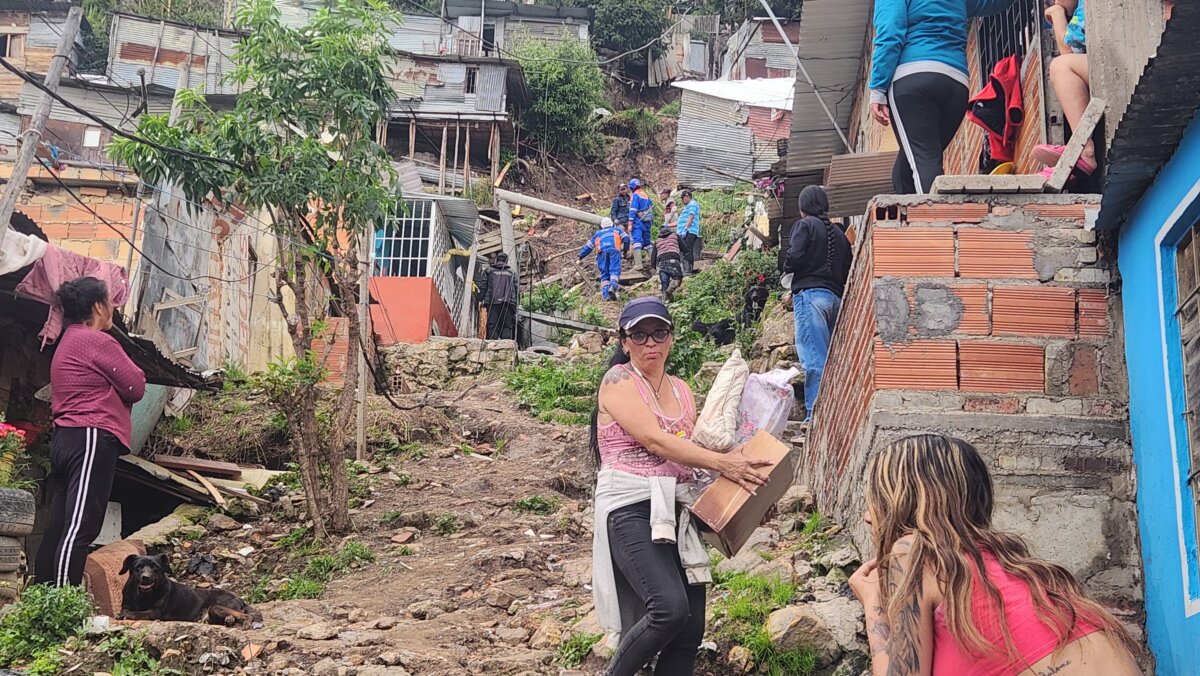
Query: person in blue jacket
[[919, 80], [641, 219], [607, 245]]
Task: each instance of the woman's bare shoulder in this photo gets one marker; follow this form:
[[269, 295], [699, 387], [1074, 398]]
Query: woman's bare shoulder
[[616, 375]]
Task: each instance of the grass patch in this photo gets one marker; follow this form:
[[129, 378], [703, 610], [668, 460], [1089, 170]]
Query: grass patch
[[552, 298], [446, 524], [672, 109], [310, 582], [35, 626], [744, 602], [181, 425], [405, 550], [536, 504], [591, 314], [130, 657], [556, 392], [575, 650], [403, 479], [637, 124]]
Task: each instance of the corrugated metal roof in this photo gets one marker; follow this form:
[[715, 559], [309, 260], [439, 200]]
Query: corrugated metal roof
[[714, 135], [10, 126], [854, 180], [109, 106], [769, 93], [498, 8], [408, 178], [1164, 103], [833, 33], [769, 34], [461, 216], [418, 34]]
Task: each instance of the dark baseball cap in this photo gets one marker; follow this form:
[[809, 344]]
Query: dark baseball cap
[[647, 307]]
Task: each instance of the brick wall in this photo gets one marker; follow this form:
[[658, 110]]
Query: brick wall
[[987, 318], [334, 349], [72, 227]]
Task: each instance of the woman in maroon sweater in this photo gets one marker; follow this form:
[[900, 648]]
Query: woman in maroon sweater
[[94, 386]]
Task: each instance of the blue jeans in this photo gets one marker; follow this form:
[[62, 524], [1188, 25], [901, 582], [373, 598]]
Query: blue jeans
[[816, 312]]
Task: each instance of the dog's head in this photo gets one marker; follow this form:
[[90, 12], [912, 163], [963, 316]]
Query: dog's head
[[148, 573]]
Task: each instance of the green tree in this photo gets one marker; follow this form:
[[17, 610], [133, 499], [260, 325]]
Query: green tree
[[622, 25], [565, 88], [300, 144]]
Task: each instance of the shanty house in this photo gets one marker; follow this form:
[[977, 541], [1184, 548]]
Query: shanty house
[[688, 52], [171, 55], [724, 122], [758, 50], [494, 27], [29, 34]]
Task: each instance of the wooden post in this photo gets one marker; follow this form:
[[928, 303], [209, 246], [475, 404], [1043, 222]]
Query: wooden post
[[465, 328], [467, 161], [364, 298], [412, 139], [508, 238], [29, 140], [494, 151], [454, 173], [442, 161]]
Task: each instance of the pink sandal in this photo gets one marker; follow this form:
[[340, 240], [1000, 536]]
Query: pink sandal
[[1049, 155]]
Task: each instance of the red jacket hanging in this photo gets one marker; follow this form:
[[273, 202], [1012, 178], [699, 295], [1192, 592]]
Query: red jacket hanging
[[999, 109]]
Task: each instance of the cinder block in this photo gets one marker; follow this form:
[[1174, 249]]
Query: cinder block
[[1040, 406], [102, 574], [976, 319], [919, 365], [1083, 276], [954, 213]]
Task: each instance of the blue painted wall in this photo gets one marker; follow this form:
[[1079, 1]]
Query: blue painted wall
[[1161, 456]]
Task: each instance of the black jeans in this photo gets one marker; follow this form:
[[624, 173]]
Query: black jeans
[[674, 621], [687, 243], [927, 109], [83, 462]]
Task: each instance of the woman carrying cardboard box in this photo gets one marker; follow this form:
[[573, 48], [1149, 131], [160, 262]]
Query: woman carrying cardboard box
[[648, 565]]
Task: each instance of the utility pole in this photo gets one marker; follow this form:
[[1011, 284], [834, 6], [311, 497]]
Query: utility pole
[[364, 332], [29, 144]]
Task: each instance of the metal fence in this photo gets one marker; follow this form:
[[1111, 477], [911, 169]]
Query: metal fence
[[402, 245], [1009, 32]]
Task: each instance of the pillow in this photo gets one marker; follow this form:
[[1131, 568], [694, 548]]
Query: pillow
[[716, 429]]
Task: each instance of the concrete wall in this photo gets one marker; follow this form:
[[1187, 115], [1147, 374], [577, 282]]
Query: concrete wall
[[987, 318], [407, 309], [1166, 500], [1122, 35]]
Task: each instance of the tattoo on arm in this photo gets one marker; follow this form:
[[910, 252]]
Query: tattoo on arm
[[879, 633], [904, 644], [615, 375]]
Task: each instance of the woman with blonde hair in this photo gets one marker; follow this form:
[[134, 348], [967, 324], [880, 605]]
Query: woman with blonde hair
[[949, 595]]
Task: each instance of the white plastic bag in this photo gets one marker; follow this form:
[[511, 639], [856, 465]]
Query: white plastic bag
[[767, 402], [717, 427]]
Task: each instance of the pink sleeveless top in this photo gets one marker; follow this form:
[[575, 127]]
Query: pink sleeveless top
[[620, 451], [1033, 639]]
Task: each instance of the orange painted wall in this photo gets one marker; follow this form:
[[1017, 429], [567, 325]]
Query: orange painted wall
[[406, 308]]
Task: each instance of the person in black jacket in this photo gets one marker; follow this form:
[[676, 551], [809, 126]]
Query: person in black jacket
[[819, 259], [500, 292]]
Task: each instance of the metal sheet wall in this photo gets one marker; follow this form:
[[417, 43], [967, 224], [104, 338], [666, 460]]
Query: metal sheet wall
[[10, 126], [695, 105], [768, 124], [162, 48], [489, 88], [691, 167], [418, 34], [112, 107]]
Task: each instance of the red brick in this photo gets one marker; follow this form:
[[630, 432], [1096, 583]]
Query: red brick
[[1083, 378], [918, 365], [992, 405], [114, 212], [103, 250], [975, 318], [1033, 311], [92, 191], [913, 252], [955, 213], [114, 230], [102, 574], [995, 254], [1093, 313], [81, 230], [55, 231], [1074, 212], [1001, 367]]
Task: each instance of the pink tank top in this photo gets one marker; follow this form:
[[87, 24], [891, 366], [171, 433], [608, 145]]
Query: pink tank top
[[1033, 639], [620, 451]]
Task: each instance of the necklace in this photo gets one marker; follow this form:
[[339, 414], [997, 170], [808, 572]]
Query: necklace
[[656, 390]]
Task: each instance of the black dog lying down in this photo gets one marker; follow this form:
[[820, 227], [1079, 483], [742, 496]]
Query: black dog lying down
[[150, 594], [722, 332]]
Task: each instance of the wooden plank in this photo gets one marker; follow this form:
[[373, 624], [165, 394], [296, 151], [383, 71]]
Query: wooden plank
[[562, 322], [225, 470], [1079, 138], [177, 302], [212, 490]]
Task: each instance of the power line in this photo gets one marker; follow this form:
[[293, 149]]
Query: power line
[[132, 137]]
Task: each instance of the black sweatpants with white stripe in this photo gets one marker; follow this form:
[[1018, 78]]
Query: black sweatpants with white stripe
[[83, 461], [927, 109]]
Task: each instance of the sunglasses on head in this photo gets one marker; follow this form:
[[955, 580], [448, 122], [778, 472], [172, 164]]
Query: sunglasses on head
[[640, 337]]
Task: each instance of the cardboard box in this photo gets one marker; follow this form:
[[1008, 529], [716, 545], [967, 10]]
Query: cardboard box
[[730, 511]]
